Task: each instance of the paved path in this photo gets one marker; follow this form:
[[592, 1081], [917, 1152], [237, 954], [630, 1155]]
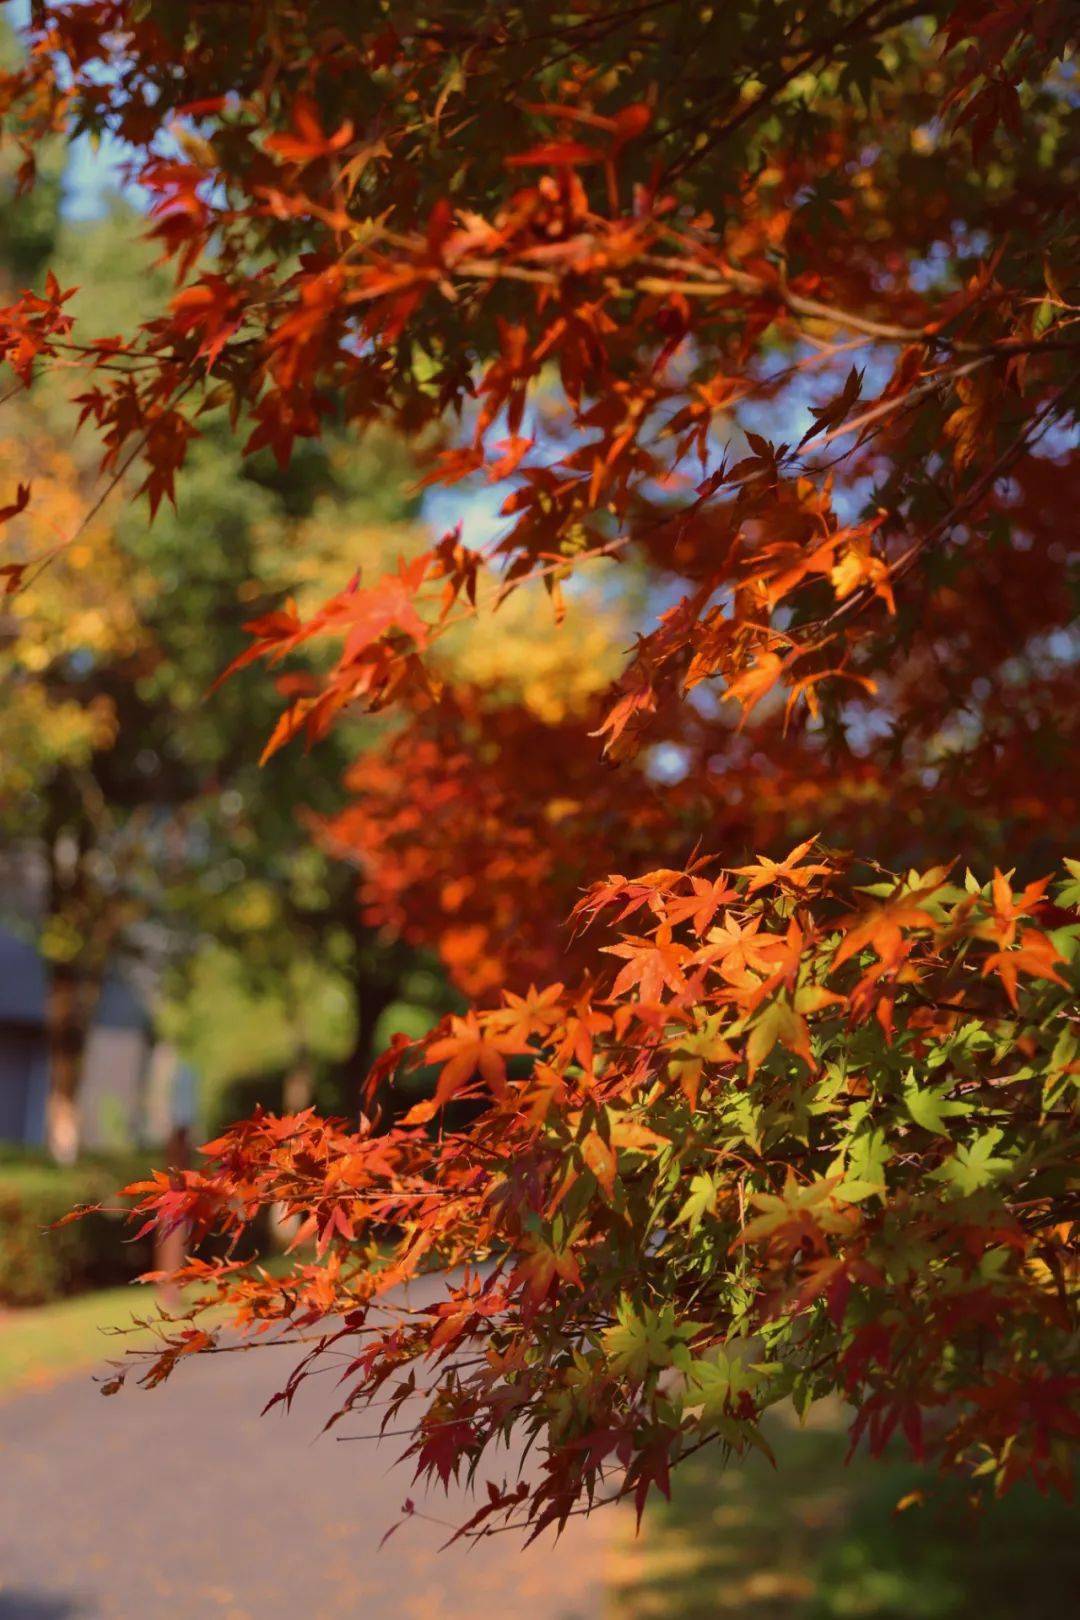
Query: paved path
[[184, 1502]]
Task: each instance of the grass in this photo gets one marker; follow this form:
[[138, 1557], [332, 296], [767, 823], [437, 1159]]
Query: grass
[[33, 1168], [40, 1344], [813, 1540]]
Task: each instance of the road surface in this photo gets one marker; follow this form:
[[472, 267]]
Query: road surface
[[184, 1502]]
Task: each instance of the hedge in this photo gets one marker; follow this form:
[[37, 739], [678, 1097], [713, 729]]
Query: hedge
[[39, 1261]]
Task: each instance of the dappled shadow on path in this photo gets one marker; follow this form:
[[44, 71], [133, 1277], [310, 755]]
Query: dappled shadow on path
[[22, 1605], [814, 1540]]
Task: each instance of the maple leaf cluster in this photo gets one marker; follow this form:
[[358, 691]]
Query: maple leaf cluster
[[323, 266], [803, 1137], [770, 312]]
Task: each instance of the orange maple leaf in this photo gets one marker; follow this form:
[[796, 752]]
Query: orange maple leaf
[[535, 1013], [1035, 955], [787, 873], [651, 964], [470, 1050], [882, 928]]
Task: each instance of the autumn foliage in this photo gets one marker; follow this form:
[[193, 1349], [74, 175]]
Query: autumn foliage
[[791, 1145], [761, 319]]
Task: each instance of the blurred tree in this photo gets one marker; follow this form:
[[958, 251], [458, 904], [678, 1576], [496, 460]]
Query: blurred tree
[[143, 803], [73, 650]]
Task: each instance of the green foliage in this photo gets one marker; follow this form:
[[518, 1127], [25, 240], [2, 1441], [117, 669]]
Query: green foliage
[[237, 1026], [114, 743], [39, 1262], [28, 220], [813, 1539]]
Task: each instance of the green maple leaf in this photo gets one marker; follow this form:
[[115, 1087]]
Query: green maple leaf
[[975, 1164], [928, 1106], [867, 1155], [1068, 894], [639, 1343], [700, 1202]]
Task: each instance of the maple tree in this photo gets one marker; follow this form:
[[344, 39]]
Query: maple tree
[[765, 1125]]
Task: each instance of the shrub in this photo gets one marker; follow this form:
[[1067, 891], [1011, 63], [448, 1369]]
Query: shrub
[[40, 1261]]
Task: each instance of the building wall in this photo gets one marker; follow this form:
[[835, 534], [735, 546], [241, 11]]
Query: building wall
[[111, 1093], [110, 1097], [23, 1085]]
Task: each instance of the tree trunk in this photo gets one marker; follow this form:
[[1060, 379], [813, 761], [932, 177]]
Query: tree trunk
[[373, 992], [170, 1247], [89, 921], [298, 1087], [70, 998]]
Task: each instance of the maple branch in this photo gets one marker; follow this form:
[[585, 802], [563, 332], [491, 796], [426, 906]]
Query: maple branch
[[44, 560], [695, 152], [1023, 441], [859, 600], [884, 331], [900, 401], [890, 332]]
